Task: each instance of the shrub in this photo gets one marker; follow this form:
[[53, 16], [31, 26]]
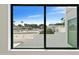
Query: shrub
[[30, 28], [48, 31]]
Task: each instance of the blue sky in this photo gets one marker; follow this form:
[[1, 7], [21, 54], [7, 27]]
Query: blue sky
[[28, 14], [35, 14], [54, 14]]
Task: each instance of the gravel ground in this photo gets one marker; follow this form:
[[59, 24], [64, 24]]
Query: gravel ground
[[56, 40], [37, 40]]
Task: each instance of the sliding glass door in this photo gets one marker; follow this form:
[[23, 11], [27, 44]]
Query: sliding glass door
[[43, 26], [55, 21], [28, 26], [57, 18]]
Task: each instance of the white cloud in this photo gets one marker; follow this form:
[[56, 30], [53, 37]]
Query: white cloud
[[33, 19], [30, 21], [52, 13], [56, 10], [53, 21], [34, 16]]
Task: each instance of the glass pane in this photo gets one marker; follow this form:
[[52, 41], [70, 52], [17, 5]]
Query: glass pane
[[28, 24], [72, 25], [57, 27]]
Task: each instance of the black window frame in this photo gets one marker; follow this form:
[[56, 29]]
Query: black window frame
[[44, 5]]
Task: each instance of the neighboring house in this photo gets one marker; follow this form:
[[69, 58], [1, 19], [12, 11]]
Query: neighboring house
[[60, 28], [71, 22], [51, 26]]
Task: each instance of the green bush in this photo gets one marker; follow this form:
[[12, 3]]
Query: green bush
[[48, 31], [30, 28]]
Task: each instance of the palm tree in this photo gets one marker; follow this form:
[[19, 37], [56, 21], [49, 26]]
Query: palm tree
[[22, 22], [22, 27], [13, 23], [63, 20]]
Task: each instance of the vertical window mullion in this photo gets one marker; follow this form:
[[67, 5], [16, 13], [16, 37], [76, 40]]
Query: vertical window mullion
[[44, 26]]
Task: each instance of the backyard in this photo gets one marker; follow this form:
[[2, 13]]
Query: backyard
[[37, 40]]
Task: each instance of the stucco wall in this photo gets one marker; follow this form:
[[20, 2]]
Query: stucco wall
[[71, 12]]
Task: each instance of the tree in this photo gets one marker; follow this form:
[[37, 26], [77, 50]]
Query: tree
[[48, 31], [34, 25], [22, 22], [63, 20], [41, 26], [30, 28], [26, 25], [19, 25], [13, 23]]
